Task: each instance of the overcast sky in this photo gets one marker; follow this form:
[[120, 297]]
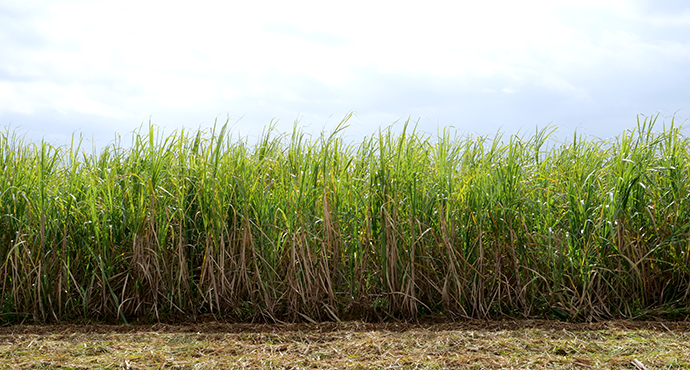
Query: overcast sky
[[106, 67]]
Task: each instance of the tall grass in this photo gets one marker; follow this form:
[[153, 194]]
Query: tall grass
[[298, 228]]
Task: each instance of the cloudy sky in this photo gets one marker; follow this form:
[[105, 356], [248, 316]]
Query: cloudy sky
[[106, 67]]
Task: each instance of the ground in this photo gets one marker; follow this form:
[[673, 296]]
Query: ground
[[350, 345]]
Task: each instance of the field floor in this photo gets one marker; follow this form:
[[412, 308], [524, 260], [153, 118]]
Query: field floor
[[350, 345]]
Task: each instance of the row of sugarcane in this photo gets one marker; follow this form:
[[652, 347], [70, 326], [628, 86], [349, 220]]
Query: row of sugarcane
[[399, 225]]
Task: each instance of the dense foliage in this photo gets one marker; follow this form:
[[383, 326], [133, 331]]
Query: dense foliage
[[298, 228]]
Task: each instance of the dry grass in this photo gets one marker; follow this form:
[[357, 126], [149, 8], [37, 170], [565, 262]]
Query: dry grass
[[353, 345]]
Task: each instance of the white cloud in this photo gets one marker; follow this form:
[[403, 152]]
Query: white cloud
[[187, 64]]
